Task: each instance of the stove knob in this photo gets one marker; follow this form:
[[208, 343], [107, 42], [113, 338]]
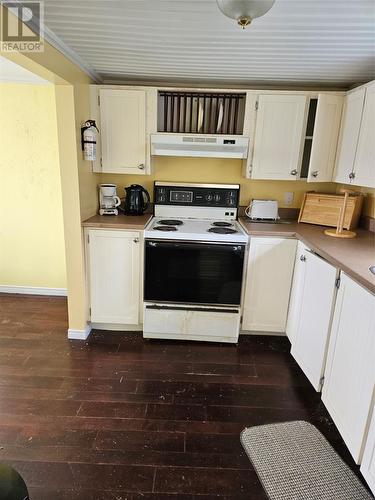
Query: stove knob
[[209, 197], [217, 197]]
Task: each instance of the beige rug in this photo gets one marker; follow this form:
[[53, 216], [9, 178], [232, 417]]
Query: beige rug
[[294, 461]]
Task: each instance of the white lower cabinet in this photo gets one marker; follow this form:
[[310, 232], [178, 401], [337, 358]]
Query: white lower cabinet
[[350, 370], [268, 283], [296, 293], [316, 285], [114, 275], [368, 461]]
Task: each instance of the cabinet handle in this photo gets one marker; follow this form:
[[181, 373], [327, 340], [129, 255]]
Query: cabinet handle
[[141, 166], [351, 175], [294, 172], [302, 258], [136, 240], [315, 173]]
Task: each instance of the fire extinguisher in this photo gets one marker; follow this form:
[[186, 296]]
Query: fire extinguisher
[[88, 136]]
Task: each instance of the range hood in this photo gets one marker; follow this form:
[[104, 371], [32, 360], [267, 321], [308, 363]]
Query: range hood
[[203, 146]]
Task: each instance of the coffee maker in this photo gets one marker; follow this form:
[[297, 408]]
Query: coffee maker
[[108, 199]]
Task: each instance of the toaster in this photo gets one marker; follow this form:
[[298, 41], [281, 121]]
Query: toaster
[[263, 209]]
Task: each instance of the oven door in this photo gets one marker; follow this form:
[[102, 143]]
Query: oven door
[[193, 273]]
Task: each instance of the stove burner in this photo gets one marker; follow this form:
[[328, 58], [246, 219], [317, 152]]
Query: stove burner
[[222, 230], [222, 224], [165, 228], [170, 222]]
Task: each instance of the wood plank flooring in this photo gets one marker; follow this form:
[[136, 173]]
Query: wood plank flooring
[[119, 417]]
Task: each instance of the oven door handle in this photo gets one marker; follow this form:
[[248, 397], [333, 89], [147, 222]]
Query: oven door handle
[[195, 246]]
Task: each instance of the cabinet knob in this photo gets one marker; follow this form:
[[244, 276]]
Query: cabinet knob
[[302, 258], [294, 172], [141, 166], [315, 173], [351, 175], [136, 240]]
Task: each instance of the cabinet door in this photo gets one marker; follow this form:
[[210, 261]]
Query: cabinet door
[[364, 164], [326, 132], [350, 370], [279, 134], [114, 276], [368, 461], [318, 293], [296, 293], [349, 133], [268, 283], [123, 130]]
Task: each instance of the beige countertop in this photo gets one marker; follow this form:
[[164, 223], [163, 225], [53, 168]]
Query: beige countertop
[[136, 222], [353, 256]]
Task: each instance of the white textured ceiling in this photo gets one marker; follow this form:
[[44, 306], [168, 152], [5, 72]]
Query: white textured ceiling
[[328, 42]]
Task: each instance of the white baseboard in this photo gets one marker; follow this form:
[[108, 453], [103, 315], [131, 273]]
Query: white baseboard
[[116, 327], [33, 290], [79, 334]]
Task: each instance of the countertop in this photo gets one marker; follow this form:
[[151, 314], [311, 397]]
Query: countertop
[[136, 222], [353, 256]]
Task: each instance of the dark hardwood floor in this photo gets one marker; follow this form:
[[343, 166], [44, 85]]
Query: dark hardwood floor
[[119, 417]]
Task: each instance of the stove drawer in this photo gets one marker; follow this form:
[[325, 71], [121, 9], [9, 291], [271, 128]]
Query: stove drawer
[[191, 323]]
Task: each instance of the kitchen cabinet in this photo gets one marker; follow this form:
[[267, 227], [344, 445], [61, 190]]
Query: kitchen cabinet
[[268, 283], [326, 129], [368, 461], [316, 284], [364, 163], [125, 116], [350, 370], [296, 293], [114, 275], [349, 134], [123, 130], [279, 134]]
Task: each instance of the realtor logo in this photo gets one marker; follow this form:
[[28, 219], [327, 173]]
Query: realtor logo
[[21, 27]]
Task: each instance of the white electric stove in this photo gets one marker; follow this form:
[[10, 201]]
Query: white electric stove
[[196, 230], [194, 263]]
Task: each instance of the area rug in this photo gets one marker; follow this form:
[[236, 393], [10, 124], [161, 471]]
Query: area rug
[[294, 461]]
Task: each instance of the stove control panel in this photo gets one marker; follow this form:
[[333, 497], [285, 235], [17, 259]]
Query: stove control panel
[[201, 195]]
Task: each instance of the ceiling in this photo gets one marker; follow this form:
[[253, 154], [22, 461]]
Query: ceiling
[[13, 73], [304, 42]]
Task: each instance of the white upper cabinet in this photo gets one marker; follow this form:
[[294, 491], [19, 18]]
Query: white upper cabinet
[[279, 134], [313, 317], [349, 133], [268, 283], [325, 136], [114, 275], [364, 164], [350, 370], [368, 462], [123, 130]]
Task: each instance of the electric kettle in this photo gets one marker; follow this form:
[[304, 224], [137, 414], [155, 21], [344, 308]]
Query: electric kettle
[[137, 200]]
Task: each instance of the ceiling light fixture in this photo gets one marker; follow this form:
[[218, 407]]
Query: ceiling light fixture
[[244, 11]]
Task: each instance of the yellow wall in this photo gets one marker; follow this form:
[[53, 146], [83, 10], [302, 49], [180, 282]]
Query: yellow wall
[[88, 181], [71, 100], [217, 170], [32, 236], [369, 200]]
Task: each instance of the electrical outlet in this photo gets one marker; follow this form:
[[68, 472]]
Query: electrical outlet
[[288, 198]]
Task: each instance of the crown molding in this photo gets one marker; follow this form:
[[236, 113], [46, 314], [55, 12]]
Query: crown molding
[[50, 37]]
